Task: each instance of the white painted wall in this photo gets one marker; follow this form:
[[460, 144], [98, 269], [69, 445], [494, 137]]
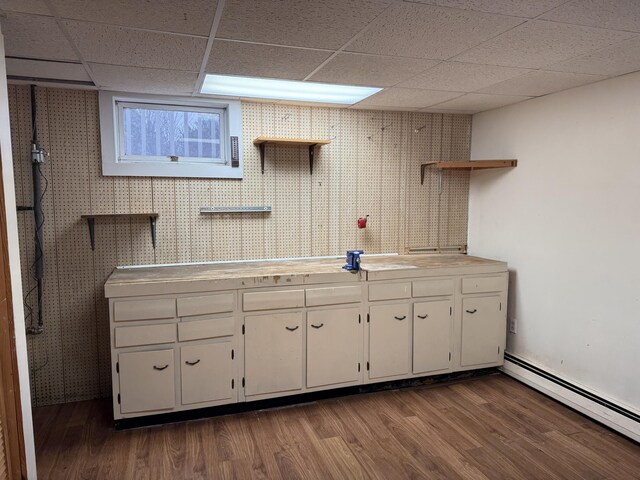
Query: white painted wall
[[567, 220], [14, 267]]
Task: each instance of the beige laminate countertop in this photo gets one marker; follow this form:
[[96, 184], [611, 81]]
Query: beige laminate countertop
[[403, 266], [125, 282], [407, 262]]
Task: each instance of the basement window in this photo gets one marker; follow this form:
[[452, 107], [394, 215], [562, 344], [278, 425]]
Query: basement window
[[157, 136]]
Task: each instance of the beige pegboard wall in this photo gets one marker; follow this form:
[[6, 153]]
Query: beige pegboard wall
[[371, 167]]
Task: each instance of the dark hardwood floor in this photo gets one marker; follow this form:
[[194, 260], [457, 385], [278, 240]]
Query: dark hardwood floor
[[486, 428]]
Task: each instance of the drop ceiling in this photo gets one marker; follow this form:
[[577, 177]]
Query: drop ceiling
[[458, 56]]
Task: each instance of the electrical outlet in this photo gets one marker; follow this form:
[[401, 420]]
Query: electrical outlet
[[513, 325]]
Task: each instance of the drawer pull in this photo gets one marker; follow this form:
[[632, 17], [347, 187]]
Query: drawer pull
[[292, 329], [192, 363], [155, 367], [472, 311], [423, 316], [400, 318], [317, 326]]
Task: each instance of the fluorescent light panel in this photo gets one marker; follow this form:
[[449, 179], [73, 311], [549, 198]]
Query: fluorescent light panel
[[285, 89]]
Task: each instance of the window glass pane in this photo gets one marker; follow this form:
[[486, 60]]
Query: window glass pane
[[164, 133]]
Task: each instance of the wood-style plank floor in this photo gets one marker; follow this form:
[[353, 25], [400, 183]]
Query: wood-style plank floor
[[486, 428]]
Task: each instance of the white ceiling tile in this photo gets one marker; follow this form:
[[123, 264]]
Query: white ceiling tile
[[425, 31], [612, 14], [449, 112], [317, 24], [406, 97], [25, 6], [617, 59], [36, 37], [537, 44], [136, 79], [43, 69], [137, 48], [517, 8], [239, 58], [378, 107], [539, 82], [478, 102], [374, 70], [461, 77], [186, 16]]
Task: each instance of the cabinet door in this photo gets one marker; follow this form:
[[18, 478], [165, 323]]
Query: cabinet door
[[389, 349], [432, 336], [483, 330], [147, 381], [207, 372], [273, 353], [333, 346]]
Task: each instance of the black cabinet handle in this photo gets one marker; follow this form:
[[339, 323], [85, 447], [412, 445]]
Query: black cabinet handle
[[155, 367], [472, 311], [423, 316], [317, 326], [192, 363], [291, 329], [400, 318]]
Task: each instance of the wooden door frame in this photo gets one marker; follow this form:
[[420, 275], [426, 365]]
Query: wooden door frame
[[10, 405]]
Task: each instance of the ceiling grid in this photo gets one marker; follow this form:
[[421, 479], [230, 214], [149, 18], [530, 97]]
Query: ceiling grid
[[455, 56]]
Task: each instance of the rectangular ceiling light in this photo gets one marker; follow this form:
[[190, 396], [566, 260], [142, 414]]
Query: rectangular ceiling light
[[285, 89]]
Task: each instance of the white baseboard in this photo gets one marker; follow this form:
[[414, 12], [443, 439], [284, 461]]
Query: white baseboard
[[616, 421]]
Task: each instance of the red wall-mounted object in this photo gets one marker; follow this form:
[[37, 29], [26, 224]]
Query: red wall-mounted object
[[362, 222]]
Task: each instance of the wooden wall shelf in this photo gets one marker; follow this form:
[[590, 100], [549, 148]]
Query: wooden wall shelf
[[91, 221], [467, 165], [262, 142]]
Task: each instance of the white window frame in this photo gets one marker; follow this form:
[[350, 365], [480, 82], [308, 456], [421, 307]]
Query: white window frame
[[112, 138], [223, 160]]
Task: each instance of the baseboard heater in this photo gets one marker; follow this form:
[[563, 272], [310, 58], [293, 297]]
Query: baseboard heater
[[611, 414]]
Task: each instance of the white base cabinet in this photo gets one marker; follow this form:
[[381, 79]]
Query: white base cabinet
[[483, 330], [147, 381], [206, 372], [273, 353], [389, 340], [432, 336], [333, 356], [186, 350]]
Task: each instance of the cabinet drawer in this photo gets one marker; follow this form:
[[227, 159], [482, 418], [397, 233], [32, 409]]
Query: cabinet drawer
[[210, 328], [205, 304], [333, 295], [147, 381], [207, 373], [124, 310], [272, 300], [484, 284], [145, 335], [389, 291], [432, 288]]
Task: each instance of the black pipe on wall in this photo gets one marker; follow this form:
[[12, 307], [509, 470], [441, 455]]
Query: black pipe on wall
[[37, 158]]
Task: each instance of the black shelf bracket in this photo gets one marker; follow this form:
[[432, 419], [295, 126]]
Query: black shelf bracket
[[92, 232], [312, 153], [423, 169], [152, 223], [263, 146], [91, 222]]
